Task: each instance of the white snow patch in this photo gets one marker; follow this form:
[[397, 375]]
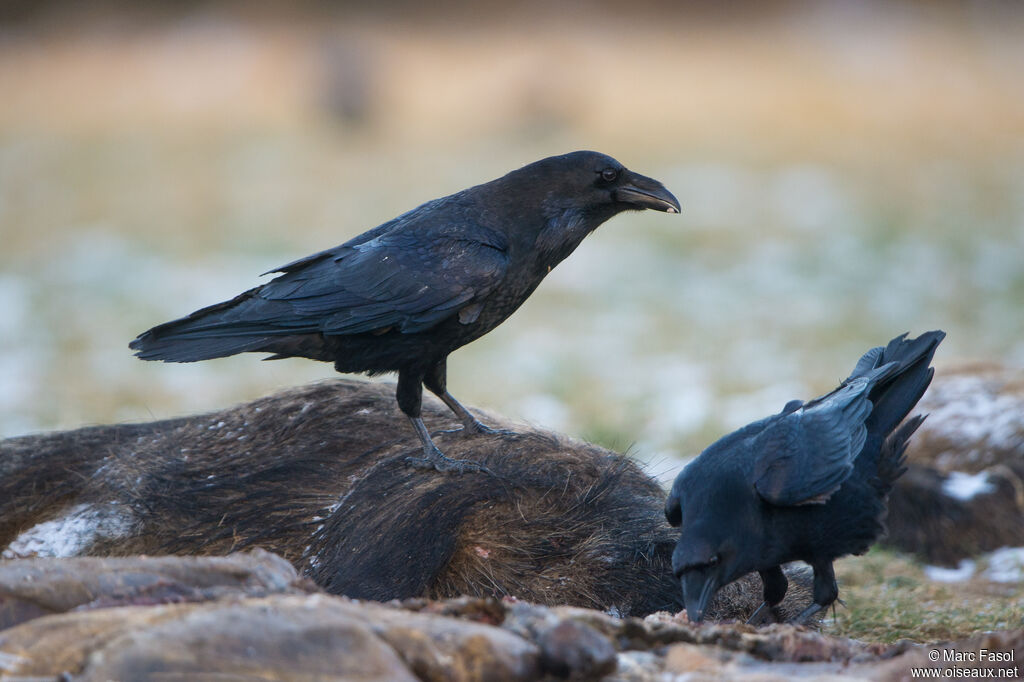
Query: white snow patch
[[69, 535], [1006, 565], [963, 486], [966, 411], [962, 572], [9, 661]]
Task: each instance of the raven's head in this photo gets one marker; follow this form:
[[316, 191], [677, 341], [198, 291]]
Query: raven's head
[[596, 182], [577, 192], [721, 534]]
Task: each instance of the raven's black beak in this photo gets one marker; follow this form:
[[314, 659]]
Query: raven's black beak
[[698, 589], [644, 192]]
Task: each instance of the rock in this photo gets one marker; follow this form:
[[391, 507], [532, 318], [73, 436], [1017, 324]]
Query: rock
[[690, 658], [638, 666], [276, 638], [283, 637], [443, 648], [575, 650], [31, 588], [797, 645], [295, 636], [897, 667]]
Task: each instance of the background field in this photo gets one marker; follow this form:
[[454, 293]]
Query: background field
[[848, 171], [846, 174]]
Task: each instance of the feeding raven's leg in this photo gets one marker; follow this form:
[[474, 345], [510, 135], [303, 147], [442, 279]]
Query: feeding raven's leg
[[775, 586], [825, 591], [410, 400], [436, 380]]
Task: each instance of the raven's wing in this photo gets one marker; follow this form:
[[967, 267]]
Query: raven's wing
[[805, 454], [409, 281]]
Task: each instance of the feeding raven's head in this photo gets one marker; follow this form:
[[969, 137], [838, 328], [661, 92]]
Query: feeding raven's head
[[721, 533]]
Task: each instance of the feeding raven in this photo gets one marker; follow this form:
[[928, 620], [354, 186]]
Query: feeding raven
[[402, 296], [809, 483]]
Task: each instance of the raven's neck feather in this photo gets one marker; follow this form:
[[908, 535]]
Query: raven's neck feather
[[563, 230]]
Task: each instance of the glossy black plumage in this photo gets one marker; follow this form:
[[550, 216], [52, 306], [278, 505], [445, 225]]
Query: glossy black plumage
[[405, 294], [809, 483]]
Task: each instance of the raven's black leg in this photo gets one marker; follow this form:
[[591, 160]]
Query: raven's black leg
[[436, 380], [410, 400], [825, 591], [775, 586]]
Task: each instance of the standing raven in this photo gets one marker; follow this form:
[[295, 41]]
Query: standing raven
[[402, 296], [809, 483]]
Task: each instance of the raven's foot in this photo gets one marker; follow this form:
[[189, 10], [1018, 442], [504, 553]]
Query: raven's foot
[[475, 427], [807, 614], [763, 615], [470, 424], [435, 459]]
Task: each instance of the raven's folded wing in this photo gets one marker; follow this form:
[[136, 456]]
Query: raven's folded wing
[[406, 281], [806, 454]]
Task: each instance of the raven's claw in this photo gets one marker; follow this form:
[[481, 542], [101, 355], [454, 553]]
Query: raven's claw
[[476, 427], [806, 614], [762, 615], [435, 459]]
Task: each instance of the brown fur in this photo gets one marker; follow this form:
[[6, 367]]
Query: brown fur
[[976, 424], [317, 475], [940, 529]]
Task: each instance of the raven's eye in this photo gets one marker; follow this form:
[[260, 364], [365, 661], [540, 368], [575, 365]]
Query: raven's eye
[[609, 174], [713, 560]]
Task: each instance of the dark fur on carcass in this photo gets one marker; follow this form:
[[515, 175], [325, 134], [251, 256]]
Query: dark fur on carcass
[[41, 474], [317, 475], [942, 529]]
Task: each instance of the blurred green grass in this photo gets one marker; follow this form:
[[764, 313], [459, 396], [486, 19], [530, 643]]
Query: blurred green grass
[[888, 598], [839, 187]]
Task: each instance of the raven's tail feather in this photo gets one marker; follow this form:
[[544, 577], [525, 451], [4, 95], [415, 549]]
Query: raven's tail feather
[[892, 458], [216, 331], [892, 399], [895, 396], [173, 348]]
